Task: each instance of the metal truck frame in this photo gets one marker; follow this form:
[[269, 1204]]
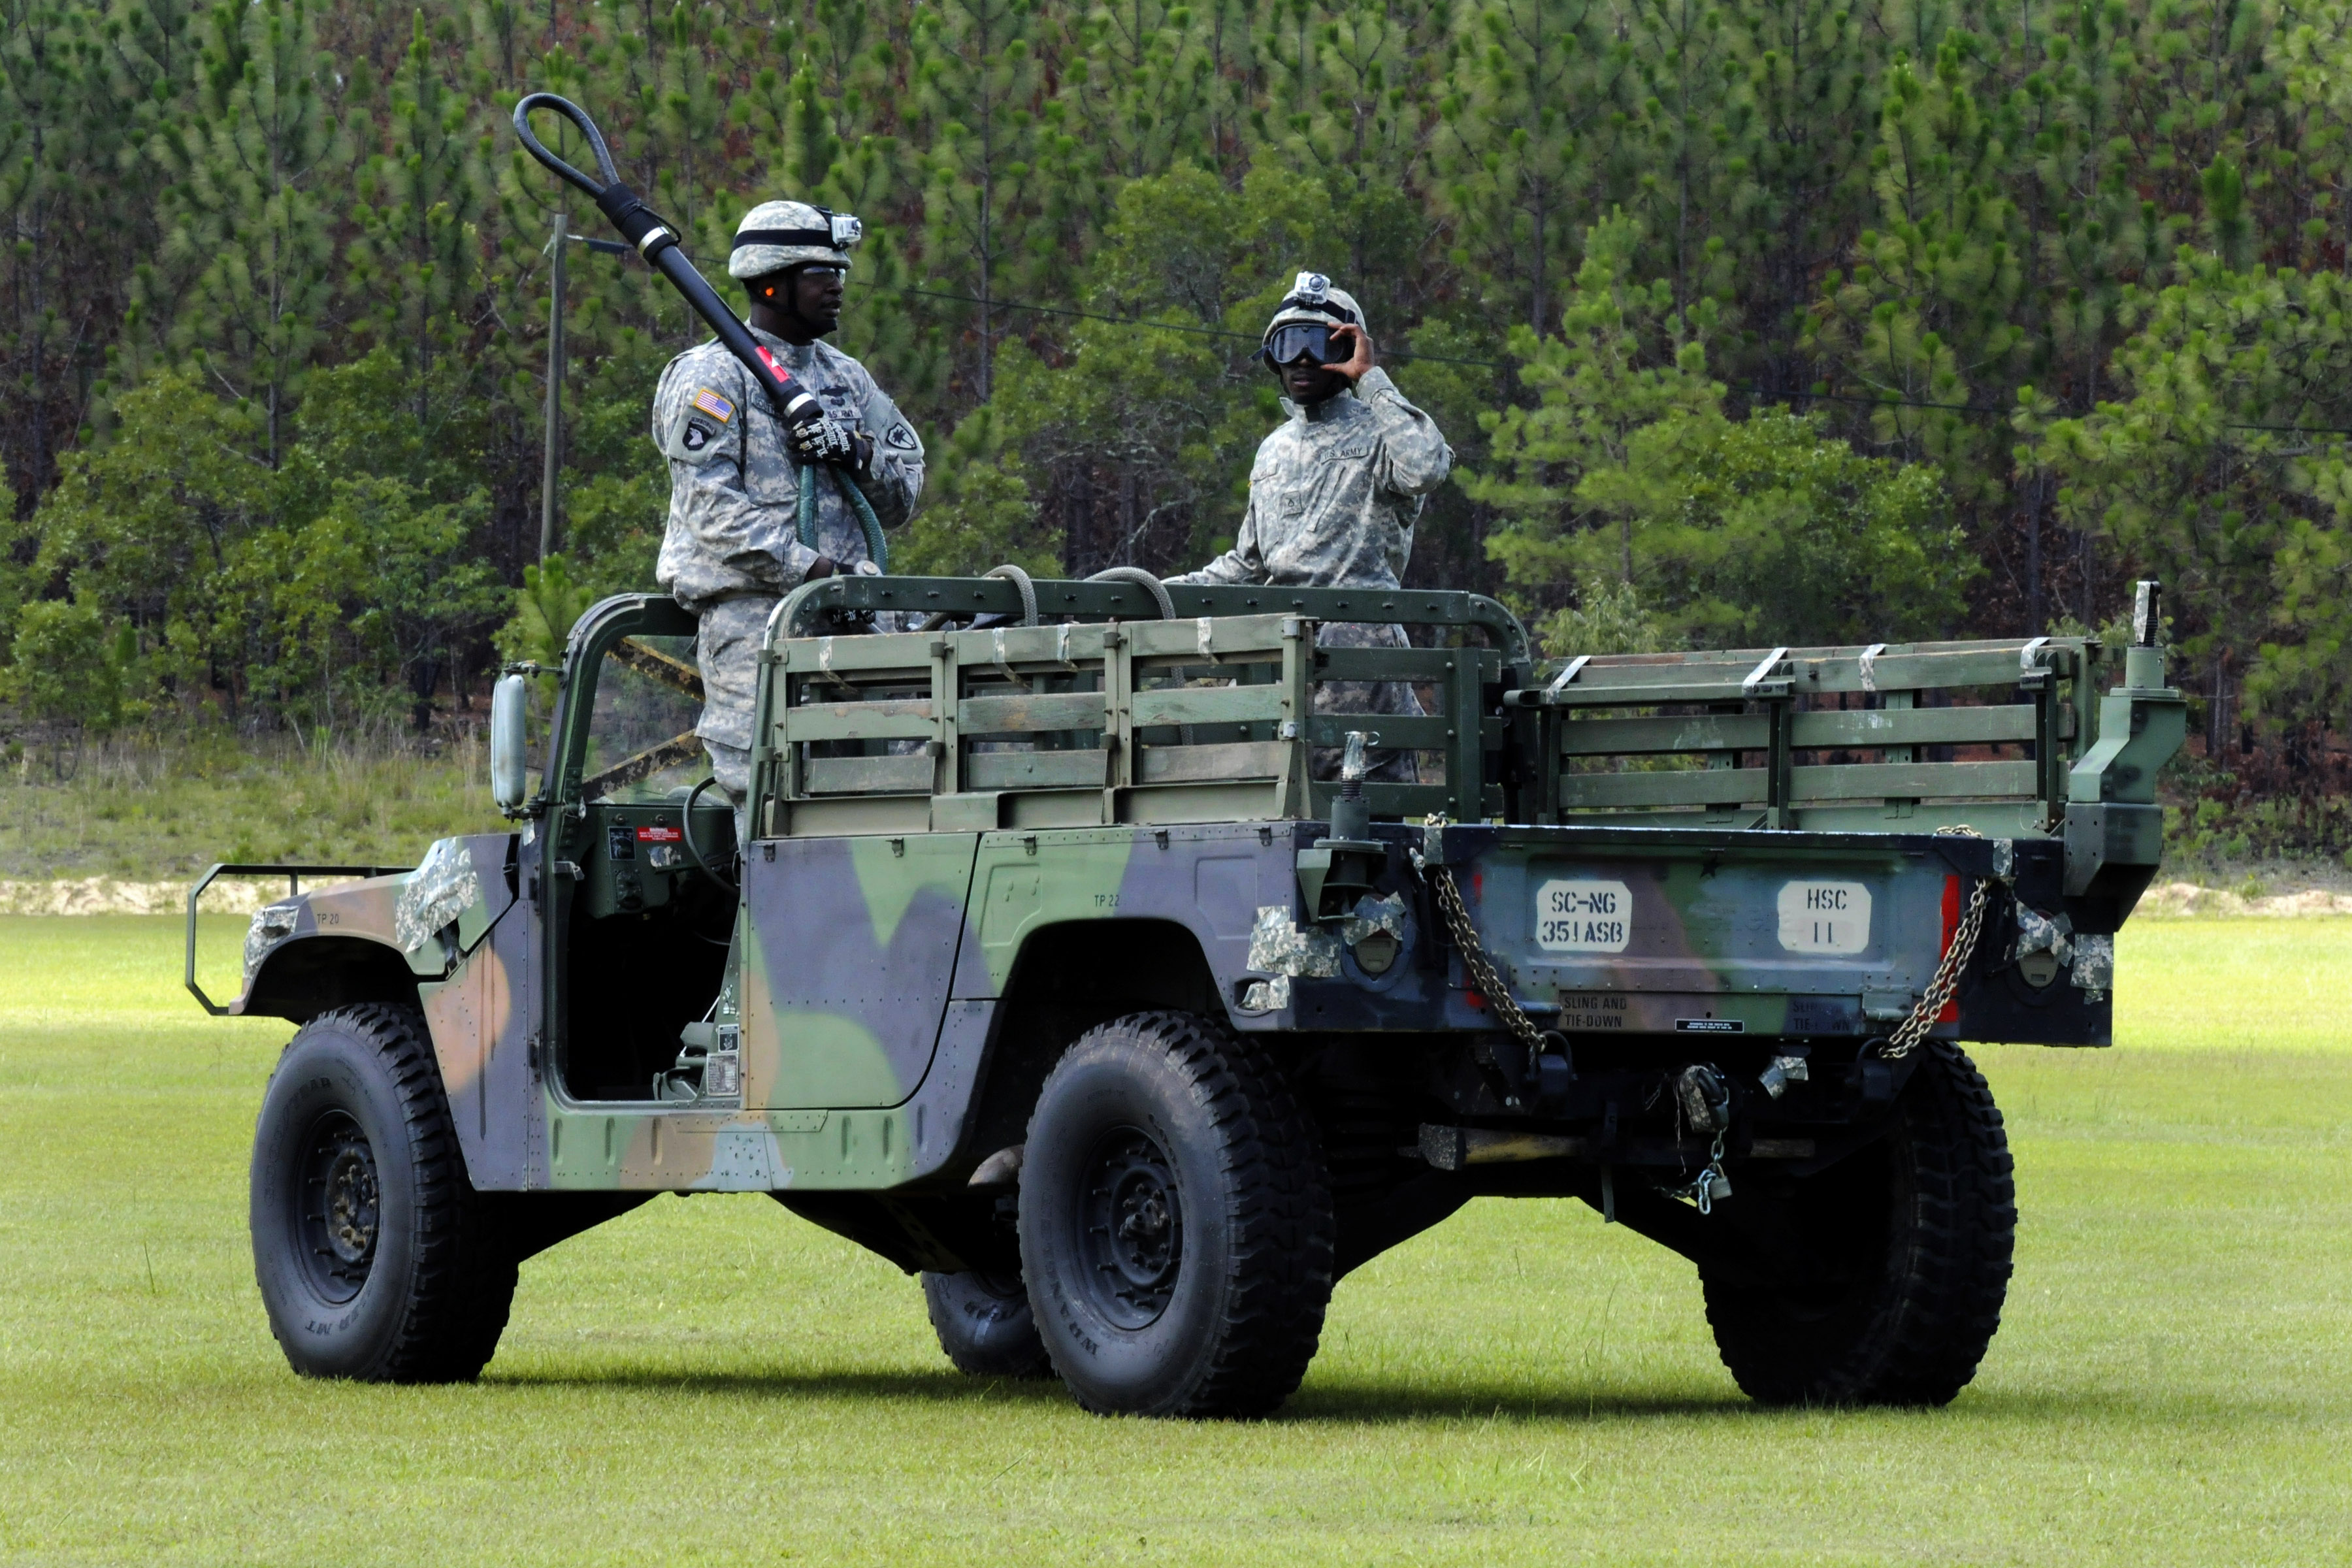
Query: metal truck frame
[[1071, 962]]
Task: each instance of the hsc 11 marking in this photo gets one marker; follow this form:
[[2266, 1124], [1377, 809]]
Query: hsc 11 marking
[[1824, 917], [1582, 915]]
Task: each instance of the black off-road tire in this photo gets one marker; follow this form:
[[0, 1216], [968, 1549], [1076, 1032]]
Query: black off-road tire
[[375, 1257], [1176, 1226], [986, 1326], [1907, 1246]]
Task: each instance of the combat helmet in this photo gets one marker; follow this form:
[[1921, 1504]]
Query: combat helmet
[[774, 235], [1313, 301]]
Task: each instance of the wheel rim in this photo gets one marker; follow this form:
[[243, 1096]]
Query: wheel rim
[[1134, 1236], [337, 1211]]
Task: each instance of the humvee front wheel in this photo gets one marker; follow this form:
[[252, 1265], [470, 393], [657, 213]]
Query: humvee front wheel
[[1903, 1262], [984, 1325], [1176, 1226], [374, 1256]]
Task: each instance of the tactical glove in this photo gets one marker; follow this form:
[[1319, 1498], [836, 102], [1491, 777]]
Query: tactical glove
[[830, 441]]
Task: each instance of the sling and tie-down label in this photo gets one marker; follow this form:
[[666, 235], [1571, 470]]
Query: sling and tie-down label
[[1583, 915], [1824, 917]]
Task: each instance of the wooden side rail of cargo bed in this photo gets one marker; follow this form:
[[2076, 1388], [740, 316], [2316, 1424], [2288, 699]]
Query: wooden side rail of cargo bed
[[1851, 739], [1207, 719]]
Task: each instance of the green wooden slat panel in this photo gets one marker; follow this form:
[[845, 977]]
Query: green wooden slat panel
[[1210, 764], [1388, 663], [1029, 646], [1914, 781], [894, 721], [1040, 710], [1033, 770], [1680, 786], [909, 651], [1915, 727], [1650, 695], [1256, 635], [1692, 732], [1899, 668], [867, 775], [1398, 732], [1207, 705]]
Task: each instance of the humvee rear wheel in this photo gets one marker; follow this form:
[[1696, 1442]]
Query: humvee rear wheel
[[1176, 1226], [984, 1325], [1905, 1247], [372, 1250]]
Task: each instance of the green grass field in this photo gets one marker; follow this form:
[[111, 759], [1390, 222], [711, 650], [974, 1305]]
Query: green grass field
[[711, 1380]]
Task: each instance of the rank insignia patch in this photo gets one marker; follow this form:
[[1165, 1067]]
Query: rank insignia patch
[[718, 408]]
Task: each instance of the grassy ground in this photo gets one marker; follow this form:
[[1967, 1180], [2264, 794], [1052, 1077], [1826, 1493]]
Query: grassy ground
[[144, 810], [709, 1380]]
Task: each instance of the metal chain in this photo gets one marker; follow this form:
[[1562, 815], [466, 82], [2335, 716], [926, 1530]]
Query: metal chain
[[1946, 981], [1476, 967]]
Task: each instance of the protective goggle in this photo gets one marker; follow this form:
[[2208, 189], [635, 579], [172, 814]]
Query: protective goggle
[[1294, 341]]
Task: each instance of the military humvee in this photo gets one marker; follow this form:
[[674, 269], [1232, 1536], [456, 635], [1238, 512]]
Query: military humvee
[[1071, 960]]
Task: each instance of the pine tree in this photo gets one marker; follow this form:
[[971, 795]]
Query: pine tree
[[68, 112], [1527, 82], [1625, 360], [413, 268], [255, 162], [1143, 93], [1357, 80], [978, 82]]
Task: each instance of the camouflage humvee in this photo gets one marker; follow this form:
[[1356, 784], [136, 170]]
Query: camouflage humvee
[[1070, 962]]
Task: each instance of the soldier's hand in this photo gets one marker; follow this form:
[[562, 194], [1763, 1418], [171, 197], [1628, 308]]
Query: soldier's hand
[[830, 441], [823, 566], [1360, 347]]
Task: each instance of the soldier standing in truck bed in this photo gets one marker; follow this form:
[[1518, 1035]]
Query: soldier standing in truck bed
[[731, 549], [1336, 490]]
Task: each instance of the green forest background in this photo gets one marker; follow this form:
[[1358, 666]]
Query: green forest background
[[1788, 320]]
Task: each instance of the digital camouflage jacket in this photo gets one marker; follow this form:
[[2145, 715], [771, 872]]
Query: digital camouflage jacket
[[734, 488], [1333, 493]]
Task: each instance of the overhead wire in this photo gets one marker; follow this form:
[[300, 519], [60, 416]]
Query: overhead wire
[[1750, 387]]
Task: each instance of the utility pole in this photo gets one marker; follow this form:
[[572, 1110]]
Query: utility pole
[[553, 464], [554, 460]]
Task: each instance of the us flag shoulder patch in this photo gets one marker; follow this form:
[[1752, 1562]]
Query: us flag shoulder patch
[[718, 408]]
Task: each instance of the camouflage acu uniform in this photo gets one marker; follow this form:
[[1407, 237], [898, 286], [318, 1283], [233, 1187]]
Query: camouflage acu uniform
[[733, 548], [1333, 497]]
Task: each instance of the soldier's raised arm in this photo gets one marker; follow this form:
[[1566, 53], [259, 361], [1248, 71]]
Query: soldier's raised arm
[[1414, 458]]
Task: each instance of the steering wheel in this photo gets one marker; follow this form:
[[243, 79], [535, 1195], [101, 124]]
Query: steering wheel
[[686, 829]]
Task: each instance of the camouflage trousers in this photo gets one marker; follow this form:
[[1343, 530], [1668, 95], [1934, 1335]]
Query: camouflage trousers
[[726, 651], [1369, 697], [726, 645]]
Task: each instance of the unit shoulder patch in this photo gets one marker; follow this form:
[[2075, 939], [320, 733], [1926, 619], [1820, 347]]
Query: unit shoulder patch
[[696, 437], [900, 435]]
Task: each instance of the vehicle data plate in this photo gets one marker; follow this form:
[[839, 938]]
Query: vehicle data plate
[[1583, 915], [1824, 917]]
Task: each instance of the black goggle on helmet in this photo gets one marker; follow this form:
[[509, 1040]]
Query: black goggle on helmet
[[1294, 341]]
